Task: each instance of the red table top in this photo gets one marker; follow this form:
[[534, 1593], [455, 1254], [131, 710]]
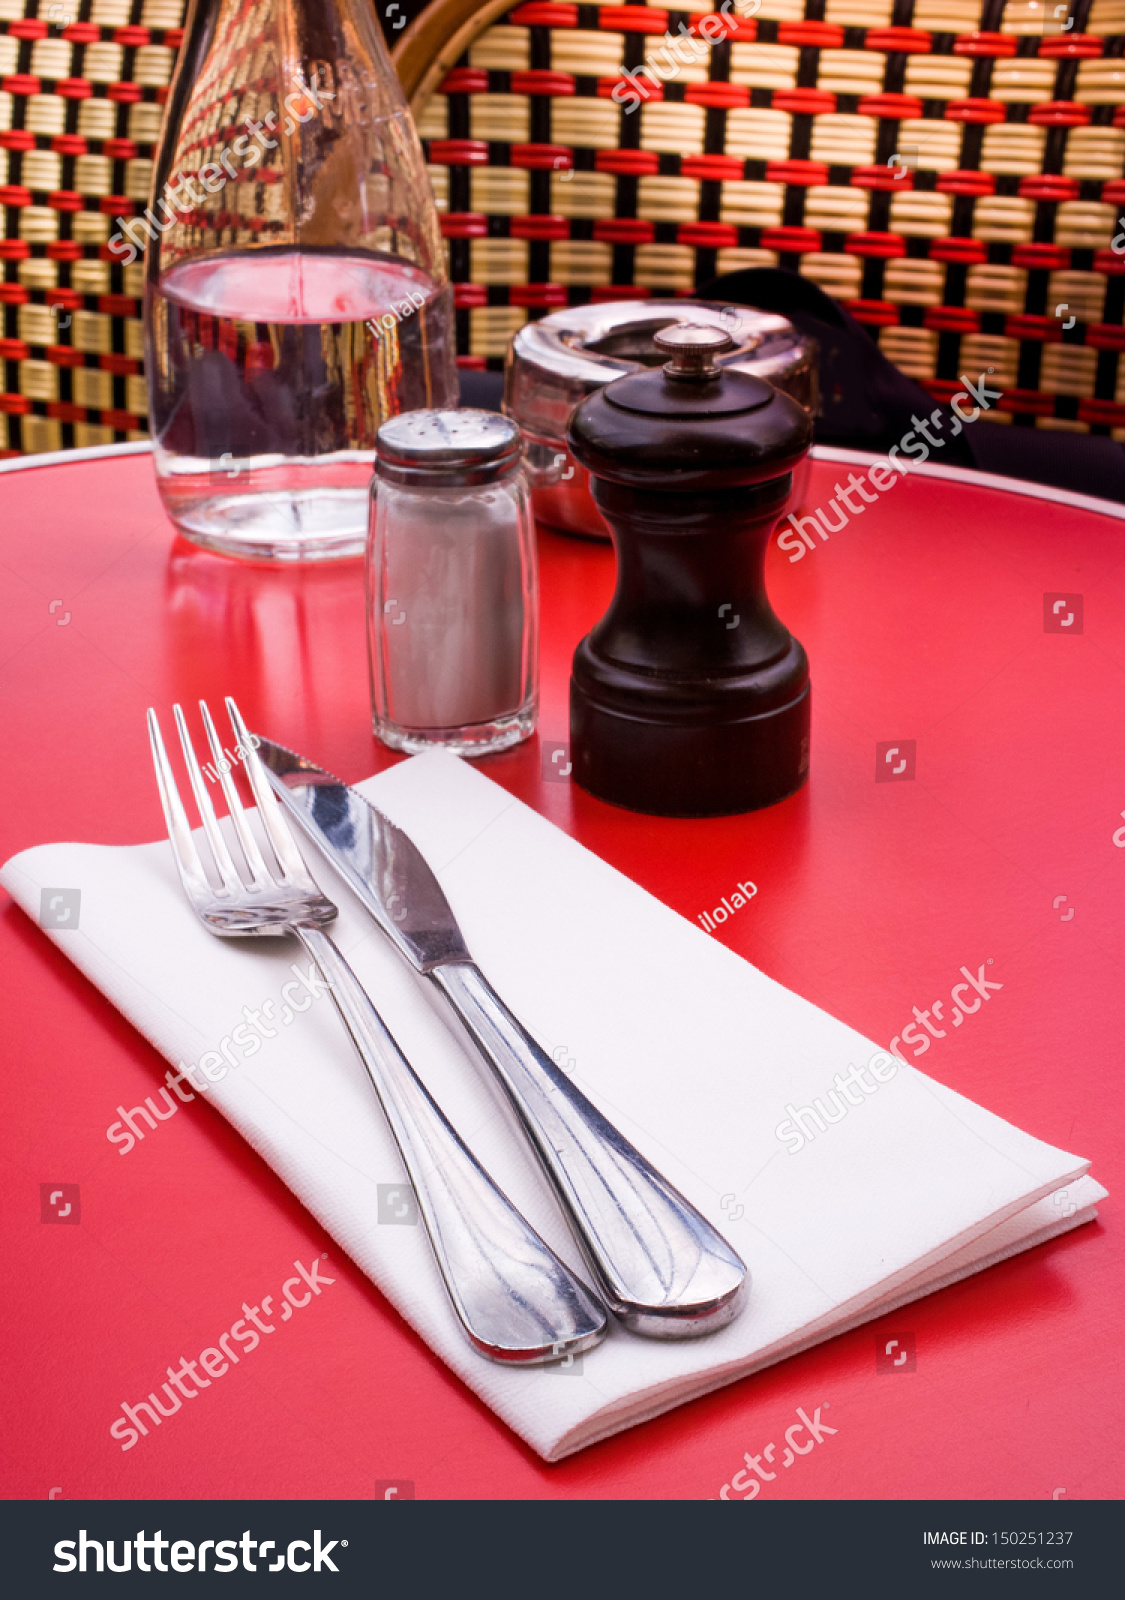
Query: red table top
[[924, 621]]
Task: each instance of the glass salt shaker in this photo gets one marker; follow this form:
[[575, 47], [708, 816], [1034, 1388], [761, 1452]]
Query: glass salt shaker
[[452, 585]]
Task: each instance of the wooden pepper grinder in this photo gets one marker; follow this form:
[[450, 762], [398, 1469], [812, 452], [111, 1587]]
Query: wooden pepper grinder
[[690, 698]]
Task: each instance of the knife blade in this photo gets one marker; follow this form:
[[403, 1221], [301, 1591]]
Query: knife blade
[[664, 1270]]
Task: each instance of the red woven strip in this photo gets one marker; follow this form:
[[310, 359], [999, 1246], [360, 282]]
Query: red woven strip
[[632, 19], [880, 178], [1041, 257], [641, 86], [126, 366], [66, 411], [817, 35], [540, 227], [1059, 114], [69, 299], [963, 251], [878, 246], [951, 319], [966, 181], [799, 174], [544, 16], [538, 295], [1106, 336], [723, 96], [809, 102], [624, 230], [469, 296], [464, 80], [721, 169], [874, 313], [1028, 402], [707, 235], [15, 405], [65, 355], [1105, 412], [122, 421], [539, 81], [17, 139], [464, 225], [543, 157], [910, 41], [628, 163], [984, 44], [1072, 47], [892, 106], [1043, 330], [975, 111], [791, 241], [459, 152]]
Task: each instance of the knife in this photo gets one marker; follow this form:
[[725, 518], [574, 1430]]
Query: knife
[[662, 1268]]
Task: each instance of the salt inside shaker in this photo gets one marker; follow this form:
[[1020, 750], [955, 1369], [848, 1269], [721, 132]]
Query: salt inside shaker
[[452, 585]]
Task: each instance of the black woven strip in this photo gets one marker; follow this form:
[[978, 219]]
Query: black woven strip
[[948, 355], [800, 139], [874, 272], [623, 258], [539, 49], [894, 74], [1031, 359], [1035, 302], [1054, 148], [1045, 213], [1105, 375]]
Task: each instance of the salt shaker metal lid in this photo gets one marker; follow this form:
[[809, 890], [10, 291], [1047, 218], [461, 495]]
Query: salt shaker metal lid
[[446, 449]]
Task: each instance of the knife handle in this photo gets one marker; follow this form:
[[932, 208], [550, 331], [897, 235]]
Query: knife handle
[[516, 1300], [662, 1268]]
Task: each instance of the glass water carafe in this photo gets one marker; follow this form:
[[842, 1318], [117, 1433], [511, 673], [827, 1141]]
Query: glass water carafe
[[296, 285]]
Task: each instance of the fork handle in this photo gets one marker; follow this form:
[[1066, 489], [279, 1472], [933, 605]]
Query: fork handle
[[663, 1270], [516, 1300]]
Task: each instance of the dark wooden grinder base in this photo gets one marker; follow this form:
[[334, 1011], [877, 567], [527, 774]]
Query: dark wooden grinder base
[[690, 698]]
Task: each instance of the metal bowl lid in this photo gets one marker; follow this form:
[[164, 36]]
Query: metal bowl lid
[[446, 448], [555, 362]]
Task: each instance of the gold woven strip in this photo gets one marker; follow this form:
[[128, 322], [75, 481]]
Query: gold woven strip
[[996, 288], [668, 199], [502, 49], [590, 123], [913, 350], [752, 205], [758, 135], [1068, 369], [583, 194], [914, 283], [845, 141], [1013, 147], [580, 261]]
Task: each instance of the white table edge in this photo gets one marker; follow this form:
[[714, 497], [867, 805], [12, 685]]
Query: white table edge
[[820, 452]]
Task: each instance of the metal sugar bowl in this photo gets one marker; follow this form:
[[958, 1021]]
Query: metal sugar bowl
[[556, 362]]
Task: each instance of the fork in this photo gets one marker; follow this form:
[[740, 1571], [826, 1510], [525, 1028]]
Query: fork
[[516, 1300]]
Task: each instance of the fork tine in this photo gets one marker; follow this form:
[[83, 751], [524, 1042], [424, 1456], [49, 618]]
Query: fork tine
[[224, 864], [190, 867], [259, 872], [270, 813]]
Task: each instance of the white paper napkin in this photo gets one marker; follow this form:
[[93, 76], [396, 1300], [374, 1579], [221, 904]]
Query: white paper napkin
[[691, 1051]]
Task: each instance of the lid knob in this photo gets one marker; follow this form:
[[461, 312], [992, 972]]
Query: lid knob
[[693, 347]]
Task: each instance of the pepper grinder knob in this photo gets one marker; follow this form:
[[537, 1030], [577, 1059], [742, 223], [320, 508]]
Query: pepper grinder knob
[[693, 347]]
